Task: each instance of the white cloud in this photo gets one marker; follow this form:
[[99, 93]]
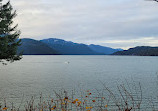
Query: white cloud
[[118, 21]]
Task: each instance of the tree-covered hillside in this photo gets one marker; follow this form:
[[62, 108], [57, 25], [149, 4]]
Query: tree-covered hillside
[[139, 51]]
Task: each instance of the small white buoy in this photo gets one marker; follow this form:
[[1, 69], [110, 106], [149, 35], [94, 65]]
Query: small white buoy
[[67, 62]]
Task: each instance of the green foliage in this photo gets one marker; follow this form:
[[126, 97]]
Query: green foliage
[[9, 35]]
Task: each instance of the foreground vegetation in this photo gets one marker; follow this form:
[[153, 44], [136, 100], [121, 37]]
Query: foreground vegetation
[[127, 98]]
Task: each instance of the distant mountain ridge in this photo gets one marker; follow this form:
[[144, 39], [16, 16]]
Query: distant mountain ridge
[[103, 49], [68, 47], [139, 51], [53, 46], [34, 47]]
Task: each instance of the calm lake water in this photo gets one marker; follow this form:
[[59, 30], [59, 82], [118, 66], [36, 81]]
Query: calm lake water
[[35, 74]]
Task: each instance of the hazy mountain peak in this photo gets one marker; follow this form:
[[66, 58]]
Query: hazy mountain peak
[[103, 49]]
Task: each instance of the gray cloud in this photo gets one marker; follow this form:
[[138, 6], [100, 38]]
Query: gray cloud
[[90, 21]]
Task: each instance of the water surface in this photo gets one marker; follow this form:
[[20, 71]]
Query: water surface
[[35, 74]]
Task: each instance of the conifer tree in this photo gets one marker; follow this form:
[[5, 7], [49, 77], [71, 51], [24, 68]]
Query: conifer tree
[[9, 35]]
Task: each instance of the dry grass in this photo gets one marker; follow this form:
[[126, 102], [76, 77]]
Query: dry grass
[[127, 99]]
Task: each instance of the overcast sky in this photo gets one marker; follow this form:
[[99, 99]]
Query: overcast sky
[[113, 23]]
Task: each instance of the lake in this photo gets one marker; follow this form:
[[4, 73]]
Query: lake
[[35, 74]]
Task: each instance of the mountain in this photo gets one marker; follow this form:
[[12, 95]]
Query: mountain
[[53, 46], [68, 47], [34, 47], [139, 51], [102, 49]]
